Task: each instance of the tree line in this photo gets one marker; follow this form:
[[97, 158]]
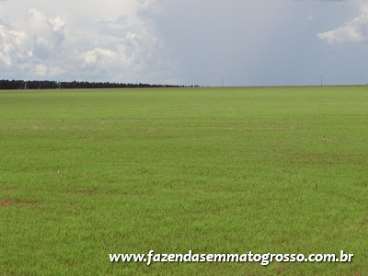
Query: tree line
[[22, 84]]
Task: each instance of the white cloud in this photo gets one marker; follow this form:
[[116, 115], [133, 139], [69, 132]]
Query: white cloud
[[109, 41], [98, 55], [57, 24], [11, 45], [354, 31], [40, 70]]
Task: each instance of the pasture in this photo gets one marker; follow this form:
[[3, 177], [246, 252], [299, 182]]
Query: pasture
[[85, 173]]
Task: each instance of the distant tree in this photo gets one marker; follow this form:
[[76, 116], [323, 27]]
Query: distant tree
[[21, 84]]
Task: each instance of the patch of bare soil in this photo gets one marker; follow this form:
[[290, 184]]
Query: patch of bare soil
[[16, 202], [6, 203]]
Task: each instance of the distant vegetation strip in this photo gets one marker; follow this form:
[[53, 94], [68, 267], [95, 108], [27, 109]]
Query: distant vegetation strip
[[22, 84]]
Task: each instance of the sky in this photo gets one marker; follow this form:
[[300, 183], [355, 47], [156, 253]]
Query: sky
[[206, 42]]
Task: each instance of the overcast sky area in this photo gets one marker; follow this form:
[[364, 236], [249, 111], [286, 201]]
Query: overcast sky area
[[207, 42]]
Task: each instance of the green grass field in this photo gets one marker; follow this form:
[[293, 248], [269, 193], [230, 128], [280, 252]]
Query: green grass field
[[92, 172]]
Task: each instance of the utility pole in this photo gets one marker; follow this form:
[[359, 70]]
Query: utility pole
[[322, 82]]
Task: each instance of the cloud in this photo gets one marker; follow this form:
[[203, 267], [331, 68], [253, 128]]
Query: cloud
[[113, 42], [45, 35], [355, 30], [28, 50], [98, 55], [207, 42], [11, 46], [40, 70]]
